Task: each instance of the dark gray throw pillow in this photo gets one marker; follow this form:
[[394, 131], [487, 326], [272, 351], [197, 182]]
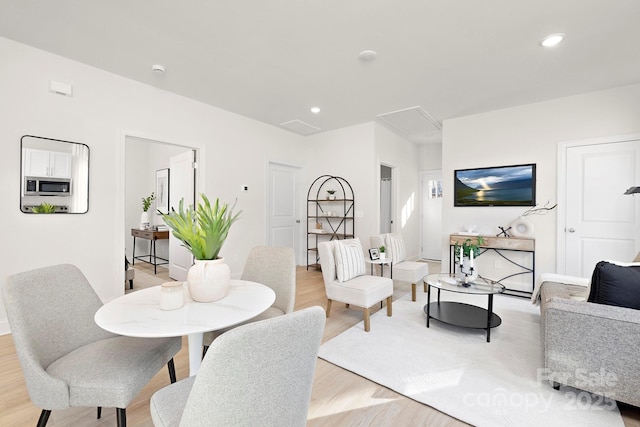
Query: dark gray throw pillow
[[617, 285]]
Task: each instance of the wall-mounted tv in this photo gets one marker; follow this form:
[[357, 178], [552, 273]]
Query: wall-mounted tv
[[496, 186]]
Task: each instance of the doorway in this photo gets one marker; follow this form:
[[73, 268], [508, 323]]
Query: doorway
[[431, 219], [386, 199], [283, 217], [596, 220], [143, 158]]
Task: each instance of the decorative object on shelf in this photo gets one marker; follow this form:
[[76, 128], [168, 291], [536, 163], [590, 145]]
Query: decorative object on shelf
[[521, 227], [203, 231], [318, 226], [383, 254], [469, 230], [336, 214], [465, 254], [374, 254], [144, 217]]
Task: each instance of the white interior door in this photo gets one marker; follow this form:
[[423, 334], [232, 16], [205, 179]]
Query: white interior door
[[181, 186], [601, 222], [431, 184], [283, 217]]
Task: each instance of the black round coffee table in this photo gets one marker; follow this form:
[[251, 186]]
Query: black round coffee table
[[462, 314]]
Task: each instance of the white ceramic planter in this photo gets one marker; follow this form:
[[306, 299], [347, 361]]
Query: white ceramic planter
[[209, 280], [144, 221]]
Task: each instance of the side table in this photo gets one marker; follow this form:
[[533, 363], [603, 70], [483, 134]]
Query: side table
[[381, 263], [152, 236]]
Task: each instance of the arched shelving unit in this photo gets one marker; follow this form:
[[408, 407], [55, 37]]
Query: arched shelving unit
[[329, 216]]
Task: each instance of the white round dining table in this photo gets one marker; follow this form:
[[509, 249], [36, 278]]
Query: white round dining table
[[138, 314]]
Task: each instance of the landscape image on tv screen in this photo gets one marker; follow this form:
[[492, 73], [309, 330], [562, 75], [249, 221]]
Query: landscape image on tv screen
[[496, 186]]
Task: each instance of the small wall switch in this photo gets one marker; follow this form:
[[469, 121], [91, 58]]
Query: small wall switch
[[60, 88], [245, 188]]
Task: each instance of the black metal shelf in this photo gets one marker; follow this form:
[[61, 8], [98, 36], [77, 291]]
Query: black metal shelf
[[336, 213]]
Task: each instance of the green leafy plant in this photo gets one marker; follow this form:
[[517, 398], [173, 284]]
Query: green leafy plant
[[467, 247], [146, 202], [202, 230], [331, 191], [382, 249], [44, 207]]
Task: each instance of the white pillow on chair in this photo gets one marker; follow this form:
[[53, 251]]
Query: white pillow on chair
[[349, 259], [397, 251]]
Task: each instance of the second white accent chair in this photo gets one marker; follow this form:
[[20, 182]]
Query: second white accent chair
[[343, 271], [405, 271]]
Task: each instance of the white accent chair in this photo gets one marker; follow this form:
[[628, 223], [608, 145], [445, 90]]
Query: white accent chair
[[405, 271], [258, 374], [362, 291], [276, 268], [67, 359]]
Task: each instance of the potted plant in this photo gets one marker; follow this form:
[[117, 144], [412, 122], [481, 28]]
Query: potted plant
[[146, 204], [203, 231], [467, 247], [331, 195], [382, 252], [44, 207]]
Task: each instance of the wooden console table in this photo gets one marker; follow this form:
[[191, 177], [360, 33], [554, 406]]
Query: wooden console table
[[152, 236], [501, 246]]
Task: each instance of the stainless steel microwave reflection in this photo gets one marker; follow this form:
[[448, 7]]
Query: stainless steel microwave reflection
[[53, 174], [34, 186]]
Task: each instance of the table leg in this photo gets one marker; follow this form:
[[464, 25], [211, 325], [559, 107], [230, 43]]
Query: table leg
[[195, 352], [428, 305], [155, 260], [489, 317], [133, 261]]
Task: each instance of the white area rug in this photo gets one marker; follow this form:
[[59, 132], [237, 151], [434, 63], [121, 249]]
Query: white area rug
[[457, 372]]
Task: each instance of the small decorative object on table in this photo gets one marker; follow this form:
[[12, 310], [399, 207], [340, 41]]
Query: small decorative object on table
[[465, 254], [146, 204], [383, 254], [203, 231], [374, 254], [331, 195]]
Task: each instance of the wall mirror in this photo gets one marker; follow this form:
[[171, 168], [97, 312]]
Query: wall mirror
[[54, 176]]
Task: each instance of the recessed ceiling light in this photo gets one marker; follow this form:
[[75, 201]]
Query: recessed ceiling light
[[552, 40], [367, 55], [158, 68], [315, 110]]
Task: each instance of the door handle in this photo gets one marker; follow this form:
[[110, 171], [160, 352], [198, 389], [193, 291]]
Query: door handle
[[297, 221], [571, 230]]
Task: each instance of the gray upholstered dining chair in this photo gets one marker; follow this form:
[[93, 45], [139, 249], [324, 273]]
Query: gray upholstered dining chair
[[258, 374], [67, 359], [276, 268]]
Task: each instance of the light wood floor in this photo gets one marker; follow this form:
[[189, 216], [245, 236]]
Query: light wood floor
[[339, 398]]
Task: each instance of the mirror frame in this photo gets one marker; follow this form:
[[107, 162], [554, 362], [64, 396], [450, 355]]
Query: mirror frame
[[83, 178]]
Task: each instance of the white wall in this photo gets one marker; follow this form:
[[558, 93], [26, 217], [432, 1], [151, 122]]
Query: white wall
[[104, 108], [529, 134], [395, 151]]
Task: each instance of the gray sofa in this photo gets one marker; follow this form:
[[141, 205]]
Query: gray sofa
[[591, 347]]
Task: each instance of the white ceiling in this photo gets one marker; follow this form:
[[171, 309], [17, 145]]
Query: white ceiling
[[272, 60]]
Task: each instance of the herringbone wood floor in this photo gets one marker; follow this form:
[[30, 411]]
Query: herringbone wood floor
[[339, 398]]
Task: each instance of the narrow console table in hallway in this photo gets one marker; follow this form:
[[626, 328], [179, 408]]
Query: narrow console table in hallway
[[152, 236]]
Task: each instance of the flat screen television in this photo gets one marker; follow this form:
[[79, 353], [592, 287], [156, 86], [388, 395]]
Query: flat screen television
[[496, 186]]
